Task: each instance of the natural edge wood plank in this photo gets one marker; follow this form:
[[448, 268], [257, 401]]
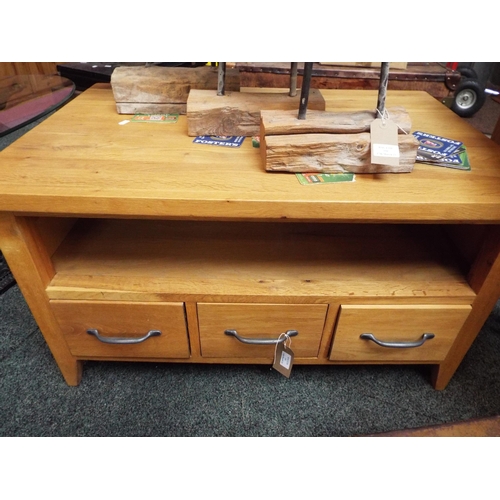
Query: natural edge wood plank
[[238, 113], [331, 153], [286, 122], [158, 89]]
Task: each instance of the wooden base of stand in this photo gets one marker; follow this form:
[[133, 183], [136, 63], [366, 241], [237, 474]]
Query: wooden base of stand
[[238, 113], [330, 142], [158, 89]]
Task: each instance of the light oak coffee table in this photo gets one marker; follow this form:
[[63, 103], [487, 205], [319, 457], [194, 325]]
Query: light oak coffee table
[[130, 242]]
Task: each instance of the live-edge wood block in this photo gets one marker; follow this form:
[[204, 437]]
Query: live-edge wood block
[[327, 122], [330, 142], [158, 89], [238, 113], [331, 153]]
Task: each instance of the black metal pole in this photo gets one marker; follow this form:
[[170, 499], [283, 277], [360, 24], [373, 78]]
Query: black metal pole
[[382, 90], [221, 80], [304, 93], [293, 79]]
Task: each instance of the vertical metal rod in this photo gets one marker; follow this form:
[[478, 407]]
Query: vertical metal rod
[[382, 89], [221, 80], [293, 79], [304, 93]]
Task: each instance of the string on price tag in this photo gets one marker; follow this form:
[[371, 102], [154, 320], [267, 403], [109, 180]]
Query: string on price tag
[[384, 141]]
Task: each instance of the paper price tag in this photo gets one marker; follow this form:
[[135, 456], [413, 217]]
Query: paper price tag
[[384, 142], [283, 359]]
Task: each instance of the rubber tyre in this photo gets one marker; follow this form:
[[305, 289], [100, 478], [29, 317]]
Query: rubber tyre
[[469, 98], [467, 72]]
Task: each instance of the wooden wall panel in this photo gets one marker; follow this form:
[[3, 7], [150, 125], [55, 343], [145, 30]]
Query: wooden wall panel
[[27, 68]]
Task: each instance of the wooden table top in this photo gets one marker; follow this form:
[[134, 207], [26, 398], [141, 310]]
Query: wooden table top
[[81, 161]]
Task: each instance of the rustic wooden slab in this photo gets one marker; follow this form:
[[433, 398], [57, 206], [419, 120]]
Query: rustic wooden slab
[[238, 113], [158, 89], [318, 122], [331, 153]]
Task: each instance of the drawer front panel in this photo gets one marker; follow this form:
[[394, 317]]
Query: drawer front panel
[[123, 320], [259, 321], [396, 324]]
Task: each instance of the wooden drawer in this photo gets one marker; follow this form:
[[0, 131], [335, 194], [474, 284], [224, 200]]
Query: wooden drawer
[[253, 321], [396, 324], [126, 320]]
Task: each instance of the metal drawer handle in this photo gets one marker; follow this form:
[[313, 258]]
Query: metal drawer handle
[[123, 340], [397, 345], [245, 340]]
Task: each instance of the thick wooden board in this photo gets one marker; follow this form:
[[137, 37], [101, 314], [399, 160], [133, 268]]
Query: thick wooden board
[[238, 113], [158, 89], [324, 122], [331, 153]]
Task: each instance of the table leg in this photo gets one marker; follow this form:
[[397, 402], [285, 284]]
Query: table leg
[[30, 264], [484, 279]]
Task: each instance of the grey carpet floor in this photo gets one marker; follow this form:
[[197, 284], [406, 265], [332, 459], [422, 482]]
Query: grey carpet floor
[[142, 399], [6, 278]]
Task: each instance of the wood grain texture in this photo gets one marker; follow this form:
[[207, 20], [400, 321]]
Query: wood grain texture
[[157, 89], [331, 153], [485, 278], [238, 113], [117, 176], [324, 122], [396, 323], [52, 231], [123, 319], [97, 167], [224, 261], [259, 321], [28, 68], [31, 265]]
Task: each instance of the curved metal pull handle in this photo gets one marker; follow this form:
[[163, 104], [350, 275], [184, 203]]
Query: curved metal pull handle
[[245, 340], [397, 345], [123, 340]]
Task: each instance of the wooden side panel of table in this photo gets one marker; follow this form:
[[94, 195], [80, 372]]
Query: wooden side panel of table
[[484, 278], [30, 262]]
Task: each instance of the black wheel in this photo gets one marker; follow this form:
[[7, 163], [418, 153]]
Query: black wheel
[[469, 98], [467, 72]]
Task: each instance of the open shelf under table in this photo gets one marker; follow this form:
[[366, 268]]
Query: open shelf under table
[[287, 262]]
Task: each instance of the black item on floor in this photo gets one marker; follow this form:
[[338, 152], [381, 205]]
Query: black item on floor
[[6, 278]]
